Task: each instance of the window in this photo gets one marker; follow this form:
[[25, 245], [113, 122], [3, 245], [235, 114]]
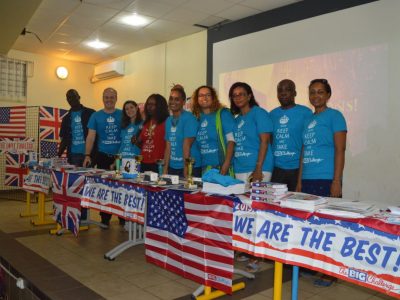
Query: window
[[13, 79]]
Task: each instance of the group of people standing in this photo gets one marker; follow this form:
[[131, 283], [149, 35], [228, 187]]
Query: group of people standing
[[291, 144]]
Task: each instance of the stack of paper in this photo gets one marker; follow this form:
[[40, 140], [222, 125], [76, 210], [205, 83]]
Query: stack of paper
[[302, 201], [268, 191], [348, 208], [394, 210], [215, 188]]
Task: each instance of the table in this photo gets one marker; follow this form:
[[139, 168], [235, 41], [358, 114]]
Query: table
[[38, 180], [363, 251], [176, 238]]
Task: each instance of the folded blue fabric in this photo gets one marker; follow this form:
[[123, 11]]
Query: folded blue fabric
[[214, 176]]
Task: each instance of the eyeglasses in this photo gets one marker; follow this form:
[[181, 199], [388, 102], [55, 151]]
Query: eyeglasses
[[239, 95], [205, 95]]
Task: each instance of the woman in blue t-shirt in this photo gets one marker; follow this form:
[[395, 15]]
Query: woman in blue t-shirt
[[180, 136], [323, 154], [324, 145], [253, 159], [131, 125], [215, 134]]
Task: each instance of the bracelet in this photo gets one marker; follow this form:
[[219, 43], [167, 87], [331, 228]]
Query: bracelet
[[87, 155]]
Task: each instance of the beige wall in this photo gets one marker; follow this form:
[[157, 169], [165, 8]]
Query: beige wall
[[155, 69], [44, 88], [187, 62], [144, 75], [151, 70]]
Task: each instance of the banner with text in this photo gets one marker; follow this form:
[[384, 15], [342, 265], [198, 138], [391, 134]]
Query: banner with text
[[17, 145], [118, 198], [37, 181], [344, 249]]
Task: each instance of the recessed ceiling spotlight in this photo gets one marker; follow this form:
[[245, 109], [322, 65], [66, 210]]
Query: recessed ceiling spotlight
[[135, 20], [98, 44]]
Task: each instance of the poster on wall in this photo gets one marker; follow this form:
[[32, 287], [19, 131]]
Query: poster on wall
[[16, 145]]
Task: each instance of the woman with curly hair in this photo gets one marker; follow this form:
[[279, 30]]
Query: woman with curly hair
[[151, 138], [215, 134]]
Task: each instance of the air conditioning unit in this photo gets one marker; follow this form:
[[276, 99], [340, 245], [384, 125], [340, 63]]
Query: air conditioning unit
[[108, 70]]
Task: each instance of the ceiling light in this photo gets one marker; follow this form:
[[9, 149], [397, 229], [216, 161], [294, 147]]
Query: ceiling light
[[98, 44], [62, 72], [135, 20]]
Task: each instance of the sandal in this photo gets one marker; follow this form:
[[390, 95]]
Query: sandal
[[242, 257], [253, 266], [325, 281], [306, 273]]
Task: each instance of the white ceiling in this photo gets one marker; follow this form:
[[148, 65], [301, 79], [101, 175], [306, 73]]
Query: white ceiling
[[65, 26]]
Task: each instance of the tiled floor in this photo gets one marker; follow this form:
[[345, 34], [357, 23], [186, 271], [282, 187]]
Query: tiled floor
[[129, 276]]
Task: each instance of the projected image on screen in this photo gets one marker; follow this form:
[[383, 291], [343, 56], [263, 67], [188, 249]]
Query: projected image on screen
[[358, 77]]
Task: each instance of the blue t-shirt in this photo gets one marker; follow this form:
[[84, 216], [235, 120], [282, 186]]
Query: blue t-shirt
[[176, 130], [208, 140], [128, 150], [78, 139], [108, 130], [319, 145], [247, 132], [287, 138]]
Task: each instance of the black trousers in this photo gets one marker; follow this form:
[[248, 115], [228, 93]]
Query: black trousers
[[286, 176], [196, 172]]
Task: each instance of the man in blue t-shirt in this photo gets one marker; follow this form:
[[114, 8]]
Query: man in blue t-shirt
[[288, 121], [74, 129], [105, 125]]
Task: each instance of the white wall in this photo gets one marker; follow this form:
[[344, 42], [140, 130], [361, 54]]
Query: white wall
[[44, 88]]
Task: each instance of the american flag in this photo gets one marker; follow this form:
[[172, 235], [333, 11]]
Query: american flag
[[67, 191], [50, 122], [12, 121], [48, 149], [14, 175], [191, 235]]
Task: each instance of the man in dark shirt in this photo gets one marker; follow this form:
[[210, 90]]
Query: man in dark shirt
[[74, 129]]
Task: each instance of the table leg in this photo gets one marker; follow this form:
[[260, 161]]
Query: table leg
[[278, 280], [295, 282], [41, 212], [28, 211]]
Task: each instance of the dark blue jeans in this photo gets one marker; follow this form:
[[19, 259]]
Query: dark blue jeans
[[319, 187]]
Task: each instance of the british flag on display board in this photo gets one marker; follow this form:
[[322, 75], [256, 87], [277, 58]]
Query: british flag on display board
[[67, 191], [12, 121], [50, 122], [191, 235], [14, 175]]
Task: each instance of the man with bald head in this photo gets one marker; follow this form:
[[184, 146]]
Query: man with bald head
[[74, 129], [105, 125], [288, 120]]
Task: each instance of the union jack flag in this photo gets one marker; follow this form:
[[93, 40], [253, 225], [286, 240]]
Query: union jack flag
[[50, 122], [14, 175], [68, 217], [191, 235], [12, 121], [67, 192]]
